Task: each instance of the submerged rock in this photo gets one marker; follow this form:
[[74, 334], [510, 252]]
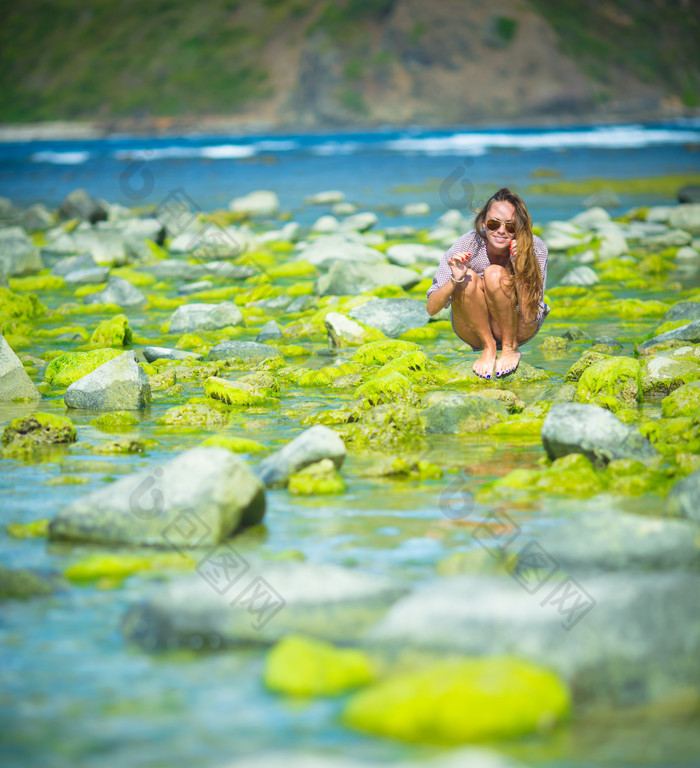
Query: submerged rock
[[199, 498], [318, 479], [594, 432], [39, 429], [248, 351], [164, 353], [454, 412], [21, 584], [118, 385], [15, 383], [392, 316], [313, 445], [236, 601]]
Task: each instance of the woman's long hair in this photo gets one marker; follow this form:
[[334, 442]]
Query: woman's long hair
[[528, 274]]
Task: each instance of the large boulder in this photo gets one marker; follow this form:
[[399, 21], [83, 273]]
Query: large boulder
[[118, 385], [237, 601], [15, 383], [594, 432], [199, 498], [205, 317], [314, 444], [619, 639], [18, 255], [392, 316]]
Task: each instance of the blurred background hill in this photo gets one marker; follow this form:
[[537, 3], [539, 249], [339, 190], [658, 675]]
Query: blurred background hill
[[311, 63]]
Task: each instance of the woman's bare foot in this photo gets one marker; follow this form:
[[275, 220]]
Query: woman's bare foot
[[483, 367], [507, 362]]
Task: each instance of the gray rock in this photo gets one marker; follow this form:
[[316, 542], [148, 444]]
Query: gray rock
[[686, 217], [349, 279], [662, 374], [199, 498], [689, 332], [617, 541], [207, 317], [392, 316], [88, 275], [163, 353], [407, 254], [687, 255], [325, 224], [259, 602], [300, 304], [456, 413], [580, 275], [613, 244], [18, 255], [261, 202], [342, 331], [270, 330], [118, 291], [327, 197], [37, 218], [359, 222], [684, 498], [22, 583], [327, 249], [659, 213], [594, 432], [248, 351], [606, 198], [70, 264], [683, 310], [182, 270], [689, 194], [415, 209], [672, 238], [107, 246], [14, 380], [273, 303], [592, 218], [312, 445], [617, 639], [119, 384], [343, 209], [202, 285], [80, 205]]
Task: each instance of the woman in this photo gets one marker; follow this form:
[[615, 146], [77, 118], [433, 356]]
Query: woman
[[494, 277]]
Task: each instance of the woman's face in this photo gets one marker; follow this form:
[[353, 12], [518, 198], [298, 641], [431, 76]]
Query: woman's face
[[499, 239]]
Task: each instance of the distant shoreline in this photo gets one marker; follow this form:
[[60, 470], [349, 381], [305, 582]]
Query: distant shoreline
[[63, 130]]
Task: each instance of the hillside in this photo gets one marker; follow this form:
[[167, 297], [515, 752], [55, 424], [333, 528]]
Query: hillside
[[311, 63]]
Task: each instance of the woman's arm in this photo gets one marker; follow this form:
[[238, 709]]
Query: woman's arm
[[438, 298]]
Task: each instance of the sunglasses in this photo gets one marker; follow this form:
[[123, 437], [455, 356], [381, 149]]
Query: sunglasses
[[495, 224]]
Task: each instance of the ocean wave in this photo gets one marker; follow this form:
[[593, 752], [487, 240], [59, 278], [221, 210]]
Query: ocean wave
[[211, 152], [60, 158], [615, 137]]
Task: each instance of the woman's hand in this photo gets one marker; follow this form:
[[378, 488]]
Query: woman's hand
[[513, 247], [458, 265]]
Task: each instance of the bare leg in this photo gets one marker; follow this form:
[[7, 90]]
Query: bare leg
[[472, 323]]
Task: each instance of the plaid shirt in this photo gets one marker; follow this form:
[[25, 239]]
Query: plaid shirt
[[473, 243]]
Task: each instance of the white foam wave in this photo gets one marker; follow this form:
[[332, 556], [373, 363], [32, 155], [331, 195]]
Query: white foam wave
[[213, 152], [615, 137], [329, 148], [60, 158]]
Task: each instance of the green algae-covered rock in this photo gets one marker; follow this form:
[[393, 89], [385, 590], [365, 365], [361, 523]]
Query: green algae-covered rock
[[116, 421], [661, 374], [684, 401], [628, 477], [234, 444], [193, 415], [385, 427], [455, 412], [237, 393], [380, 352], [323, 377], [66, 369], [405, 468], [463, 374], [618, 377], [113, 332], [461, 700], [262, 381], [27, 433], [384, 388], [554, 346], [407, 364], [519, 427], [670, 436], [303, 666], [38, 529], [318, 479], [21, 584], [24, 306], [117, 567], [587, 359]]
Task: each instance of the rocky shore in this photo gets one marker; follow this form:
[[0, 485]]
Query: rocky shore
[[233, 359]]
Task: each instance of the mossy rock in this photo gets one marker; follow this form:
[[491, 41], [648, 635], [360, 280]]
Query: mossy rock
[[64, 330], [21, 584], [457, 413], [521, 426], [193, 415], [587, 359], [462, 375], [262, 381], [554, 346], [117, 567], [628, 477], [674, 435], [38, 529], [113, 332], [234, 444], [39, 429], [20, 305], [381, 352], [385, 427], [408, 363], [67, 368], [616, 377], [421, 335], [190, 341], [684, 401], [404, 468], [383, 389], [303, 666], [116, 421], [37, 283], [476, 561], [460, 701], [125, 445], [662, 375], [236, 393], [318, 479], [323, 377]]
